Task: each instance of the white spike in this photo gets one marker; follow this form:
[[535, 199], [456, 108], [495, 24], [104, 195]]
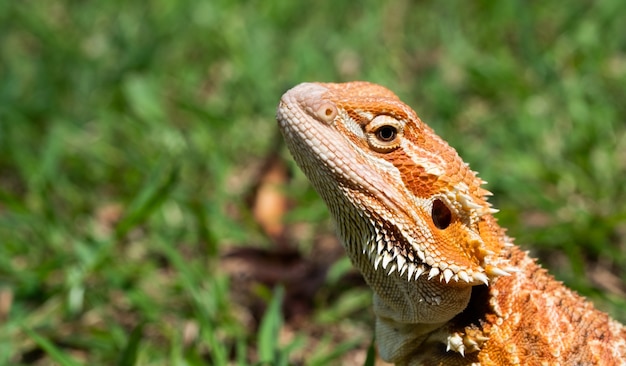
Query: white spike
[[463, 276], [447, 275], [481, 277], [386, 259], [455, 343], [393, 268], [377, 261], [471, 342], [434, 271], [400, 260], [411, 269], [498, 271], [470, 204], [403, 269], [418, 271]]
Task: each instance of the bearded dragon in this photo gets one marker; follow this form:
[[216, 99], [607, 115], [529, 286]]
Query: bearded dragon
[[449, 286]]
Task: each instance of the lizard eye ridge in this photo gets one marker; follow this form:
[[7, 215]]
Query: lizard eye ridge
[[384, 133]]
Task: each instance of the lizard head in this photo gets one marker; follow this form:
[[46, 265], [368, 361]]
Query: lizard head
[[398, 193]]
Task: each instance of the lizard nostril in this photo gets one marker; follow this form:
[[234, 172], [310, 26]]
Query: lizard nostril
[[441, 214]]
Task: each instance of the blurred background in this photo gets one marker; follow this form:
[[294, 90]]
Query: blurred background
[[151, 215]]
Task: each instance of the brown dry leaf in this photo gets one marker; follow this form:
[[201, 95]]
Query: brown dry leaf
[[269, 202]]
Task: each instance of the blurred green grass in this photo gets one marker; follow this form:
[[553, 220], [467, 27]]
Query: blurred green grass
[[129, 131]]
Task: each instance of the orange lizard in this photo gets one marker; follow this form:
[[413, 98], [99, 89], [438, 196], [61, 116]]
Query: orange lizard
[[450, 288]]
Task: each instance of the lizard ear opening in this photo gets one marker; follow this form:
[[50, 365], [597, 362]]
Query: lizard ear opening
[[441, 214]]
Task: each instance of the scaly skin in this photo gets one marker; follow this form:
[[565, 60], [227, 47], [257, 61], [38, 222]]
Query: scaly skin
[[450, 288]]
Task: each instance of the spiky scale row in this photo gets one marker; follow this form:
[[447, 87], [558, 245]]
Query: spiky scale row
[[446, 273]]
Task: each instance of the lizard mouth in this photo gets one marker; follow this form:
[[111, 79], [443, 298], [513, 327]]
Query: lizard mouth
[[389, 251]]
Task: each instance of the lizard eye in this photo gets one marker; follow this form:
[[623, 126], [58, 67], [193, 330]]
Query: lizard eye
[[441, 214], [384, 133]]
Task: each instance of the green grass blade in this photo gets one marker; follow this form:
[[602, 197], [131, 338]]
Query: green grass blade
[[156, 190], [370, 360], [53, 351], [337, 351], [129, 355], [270, 327]]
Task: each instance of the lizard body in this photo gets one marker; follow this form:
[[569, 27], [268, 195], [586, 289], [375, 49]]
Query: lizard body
[[450, 288]]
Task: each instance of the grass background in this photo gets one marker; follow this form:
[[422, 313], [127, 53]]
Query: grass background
[[135, 138]]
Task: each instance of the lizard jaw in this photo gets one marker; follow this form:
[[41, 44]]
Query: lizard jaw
[[416, 265]]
